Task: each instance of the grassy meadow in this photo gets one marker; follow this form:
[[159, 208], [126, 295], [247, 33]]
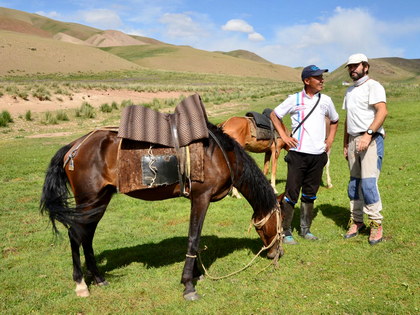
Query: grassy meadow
[[140, 246]]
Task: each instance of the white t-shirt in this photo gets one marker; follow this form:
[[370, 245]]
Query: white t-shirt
[[359, 101], [311, 134]]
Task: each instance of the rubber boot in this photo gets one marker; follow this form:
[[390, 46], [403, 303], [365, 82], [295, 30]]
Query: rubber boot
[[287, 213], [306, 210]]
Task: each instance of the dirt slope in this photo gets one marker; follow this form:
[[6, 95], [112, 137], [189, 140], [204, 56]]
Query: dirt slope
[[26, 54]]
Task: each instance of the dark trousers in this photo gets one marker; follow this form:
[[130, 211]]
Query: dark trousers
[[304, 172]]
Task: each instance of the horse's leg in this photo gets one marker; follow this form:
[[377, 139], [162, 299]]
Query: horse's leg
[[199, 206], [235, 193], [90, 256], [273, 157], [327, 172], [75, 241]]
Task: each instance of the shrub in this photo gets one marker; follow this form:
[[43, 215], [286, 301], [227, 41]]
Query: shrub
[[61, 115], [125, 103], [5, 118], [86, 111], [49, 119], [28, 116], [42, 94], [105, 108]]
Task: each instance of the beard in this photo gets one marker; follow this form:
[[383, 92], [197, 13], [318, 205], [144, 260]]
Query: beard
[[355, 75]]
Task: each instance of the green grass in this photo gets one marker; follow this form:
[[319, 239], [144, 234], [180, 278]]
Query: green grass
[[134, 53], [140, 246]]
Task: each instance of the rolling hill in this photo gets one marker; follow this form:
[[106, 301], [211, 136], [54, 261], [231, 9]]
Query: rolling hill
[[31, 43], [384, 70], [35, 44]]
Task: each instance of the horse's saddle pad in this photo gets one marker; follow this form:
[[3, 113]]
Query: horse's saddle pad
[[262, 120], [143, 165], [147, 125]]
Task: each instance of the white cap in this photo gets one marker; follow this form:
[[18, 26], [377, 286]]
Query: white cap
[[356, 58]]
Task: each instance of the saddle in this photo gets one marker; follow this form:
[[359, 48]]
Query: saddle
[[263, 128], [160, 148]]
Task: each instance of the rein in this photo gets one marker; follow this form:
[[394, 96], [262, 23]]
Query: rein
[[258, 225]]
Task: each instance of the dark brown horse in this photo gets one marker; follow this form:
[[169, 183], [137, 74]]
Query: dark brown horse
[[92, 175], [239, 128]]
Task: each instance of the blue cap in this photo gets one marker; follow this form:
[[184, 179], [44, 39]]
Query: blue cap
[[312, 71]]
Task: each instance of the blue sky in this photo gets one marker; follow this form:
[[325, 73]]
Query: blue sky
[[291, 33]]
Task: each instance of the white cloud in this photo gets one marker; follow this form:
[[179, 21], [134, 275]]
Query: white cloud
[[329, 43], [257, 37], [182, 28], [101, 18], [237, 25]]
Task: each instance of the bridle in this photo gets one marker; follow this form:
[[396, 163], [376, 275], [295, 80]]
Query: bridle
[[260, 224]]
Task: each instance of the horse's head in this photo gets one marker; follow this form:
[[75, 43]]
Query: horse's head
[[269, 230]]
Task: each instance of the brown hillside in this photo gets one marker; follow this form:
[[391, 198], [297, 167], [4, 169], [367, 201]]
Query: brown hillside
[[384, 70], [69, 39], [111, 38], [14, 25], [240, 53], [26, 54], [184, 58]]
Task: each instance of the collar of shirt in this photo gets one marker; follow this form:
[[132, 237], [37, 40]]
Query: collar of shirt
[[361, 80], [308, 96]]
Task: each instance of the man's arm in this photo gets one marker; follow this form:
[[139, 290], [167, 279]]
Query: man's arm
[[281, 129], [380, 115]]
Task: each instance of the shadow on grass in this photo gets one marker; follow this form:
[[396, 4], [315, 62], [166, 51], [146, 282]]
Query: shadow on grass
[[339, 215], [173, 250]]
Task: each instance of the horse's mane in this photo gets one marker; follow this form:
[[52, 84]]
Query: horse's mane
[[247, 175]]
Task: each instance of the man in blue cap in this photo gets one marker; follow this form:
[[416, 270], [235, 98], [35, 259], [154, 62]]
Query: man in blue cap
[[308, 147]]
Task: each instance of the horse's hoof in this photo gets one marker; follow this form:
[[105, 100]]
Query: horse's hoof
[[103, 283], [82, 292], [192, 296]]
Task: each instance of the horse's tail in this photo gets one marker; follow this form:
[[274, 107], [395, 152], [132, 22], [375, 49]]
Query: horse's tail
[[55, 194]]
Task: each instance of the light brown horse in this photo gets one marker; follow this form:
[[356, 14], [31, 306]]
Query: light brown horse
[[240, 129], [92, 175]]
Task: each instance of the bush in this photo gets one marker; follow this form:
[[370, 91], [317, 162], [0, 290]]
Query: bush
[[105, 108], [61, 115], [28, 116], [86, 111], [49, 119], [42, 94]]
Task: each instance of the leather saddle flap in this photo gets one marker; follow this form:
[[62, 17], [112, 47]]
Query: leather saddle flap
[[143, 165]]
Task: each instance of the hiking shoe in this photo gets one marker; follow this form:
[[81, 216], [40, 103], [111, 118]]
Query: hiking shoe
[[375, 233], [289, 240], [354, 229], [310, 236]]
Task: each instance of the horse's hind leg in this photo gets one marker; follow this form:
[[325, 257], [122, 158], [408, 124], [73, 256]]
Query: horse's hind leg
[[271, 156], [327, 172], [75, 241], [90, 256], [82, 234]]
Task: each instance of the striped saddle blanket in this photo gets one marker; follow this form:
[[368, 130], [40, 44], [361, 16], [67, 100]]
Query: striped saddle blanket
[[147, 125]]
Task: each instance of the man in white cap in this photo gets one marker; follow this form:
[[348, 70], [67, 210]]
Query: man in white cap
[[308, 146], [365, 103]]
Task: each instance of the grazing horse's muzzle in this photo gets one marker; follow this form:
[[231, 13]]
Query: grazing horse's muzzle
[[270, 232]]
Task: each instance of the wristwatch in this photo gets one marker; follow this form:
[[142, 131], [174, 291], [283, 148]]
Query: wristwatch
[[369, 132]]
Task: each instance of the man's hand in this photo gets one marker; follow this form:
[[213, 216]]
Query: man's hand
[[364, 142]]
